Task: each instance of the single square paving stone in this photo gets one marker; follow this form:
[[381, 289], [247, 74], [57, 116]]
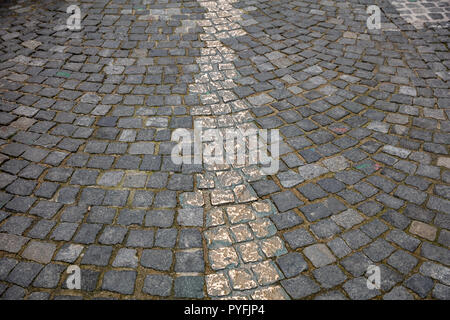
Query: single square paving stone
[[436, 271], [89, 279], [41, 229], [329, 276], [339, 247], [39, 251], [410, 195], [64, 231], [190, 238], [355, 238], [158, 285], [356, 264], [316, 211], [11, 243], [135, 180], [141, 238], [49, 276], [189, 287], [84, 177], [21, 187], [112, 235], [101, 215], [298, 238], [325, 228], [119, 281], [111, 178], [286, 220], [74, 213], [389, 277], [300, 287], [419, 284], [319, 255], [46, 190], [20, 204], [126, 258], [286, 200], [189, 261], [181, 182], [190, 217], [402, 261], [116, 198], [404, 240], [16, 224], [97, 255], [378, 250], [92, 196], [357, 289], [435, 253], [87, 233], [159, 218], [69, 252], [331, 185], [289, 179], [166, 238], [67, 195], [6, 265], [157, 259], [374, 228], [396, 219], [165, 199], [265, 187], [370, 208], [312, 191], [157, 180], [143, 198], [129, 217], [441, 292], [292, 264], [24, 273]]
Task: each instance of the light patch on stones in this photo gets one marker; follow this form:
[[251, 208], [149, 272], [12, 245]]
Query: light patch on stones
[[336, 164], [417, 14], [311, 171], [249, 252], [266, 272], [242, 279], [31, 44], [270, 293], [262, 228], [240, 213], [215, 217], [217, 285], [219, 197], [273, 246], [218, 237], [241, 232], [222, 258], [193, 199]]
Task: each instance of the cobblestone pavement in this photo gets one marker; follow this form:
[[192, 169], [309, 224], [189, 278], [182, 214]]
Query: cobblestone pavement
[[86, 176]]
